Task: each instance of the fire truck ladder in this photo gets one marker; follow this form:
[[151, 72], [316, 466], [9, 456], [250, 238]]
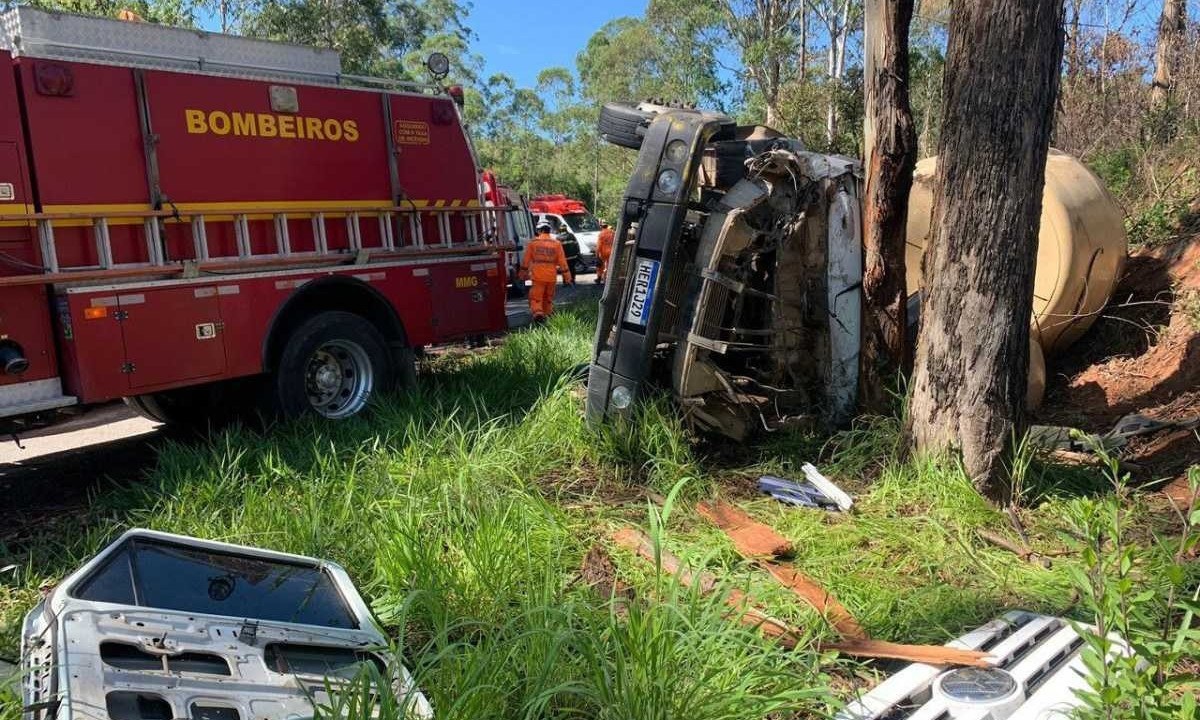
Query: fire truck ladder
[[484, 233]]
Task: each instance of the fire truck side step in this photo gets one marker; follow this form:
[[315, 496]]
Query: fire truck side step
[[34, 396]]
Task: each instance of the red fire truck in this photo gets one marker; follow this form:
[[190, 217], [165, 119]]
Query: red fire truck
[[202, 223]]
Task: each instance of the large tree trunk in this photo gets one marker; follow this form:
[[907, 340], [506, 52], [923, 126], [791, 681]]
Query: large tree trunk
[[1172, 28], [1002, 73], [890, 141]]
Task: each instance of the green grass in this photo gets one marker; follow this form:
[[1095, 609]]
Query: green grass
[[463, 510]]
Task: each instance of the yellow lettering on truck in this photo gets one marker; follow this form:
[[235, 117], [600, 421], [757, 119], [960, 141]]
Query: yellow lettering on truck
[[196, 121], [270, 125]]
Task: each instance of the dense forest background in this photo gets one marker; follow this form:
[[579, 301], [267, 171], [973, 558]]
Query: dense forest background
[[793, 64]]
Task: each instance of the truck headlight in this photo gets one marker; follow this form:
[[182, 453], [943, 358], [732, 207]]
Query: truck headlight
[[677, 151], [621, 397], [668, 182]]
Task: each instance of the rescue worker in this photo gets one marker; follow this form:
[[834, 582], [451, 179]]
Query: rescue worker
[[603, 251], [543, 261]]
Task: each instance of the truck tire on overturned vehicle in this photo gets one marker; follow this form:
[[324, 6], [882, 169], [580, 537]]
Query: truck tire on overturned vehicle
[[331, 365], [624, 124]]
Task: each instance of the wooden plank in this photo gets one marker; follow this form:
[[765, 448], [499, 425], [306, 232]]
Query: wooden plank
[[754, 540], [788, 637], [751, 538], [821, 600], [637, 542], [928, 654]]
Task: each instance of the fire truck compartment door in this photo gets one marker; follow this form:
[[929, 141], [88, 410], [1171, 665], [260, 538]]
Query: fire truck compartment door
[[460, 305], [15, 237], [172, 335]]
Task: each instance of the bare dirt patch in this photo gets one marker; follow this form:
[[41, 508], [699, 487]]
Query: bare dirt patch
[[1142, 356]]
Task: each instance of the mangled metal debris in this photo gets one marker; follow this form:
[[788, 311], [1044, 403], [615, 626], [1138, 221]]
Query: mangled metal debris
[[736, 283], [816, 491], [163, 627], [1035, 668]]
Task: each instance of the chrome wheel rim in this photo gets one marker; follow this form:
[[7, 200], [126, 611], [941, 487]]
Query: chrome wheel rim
[[338, 379]]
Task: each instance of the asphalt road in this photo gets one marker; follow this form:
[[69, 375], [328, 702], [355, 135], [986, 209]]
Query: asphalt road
[[56, 473]]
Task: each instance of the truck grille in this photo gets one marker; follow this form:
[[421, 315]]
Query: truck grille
[[1036, 669]]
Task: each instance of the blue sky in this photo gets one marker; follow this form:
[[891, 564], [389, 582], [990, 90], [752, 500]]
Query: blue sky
[[521, 37]]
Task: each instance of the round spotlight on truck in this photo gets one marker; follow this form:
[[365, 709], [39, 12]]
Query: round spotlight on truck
[[621, 398], [12, 358], [438, 65], [677, 151], [668, 182]]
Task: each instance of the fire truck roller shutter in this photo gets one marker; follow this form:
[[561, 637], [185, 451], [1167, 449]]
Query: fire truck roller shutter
[[332, 346]]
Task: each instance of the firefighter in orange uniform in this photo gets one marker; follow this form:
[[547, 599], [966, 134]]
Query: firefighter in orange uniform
[[603, 251], [543, 261]]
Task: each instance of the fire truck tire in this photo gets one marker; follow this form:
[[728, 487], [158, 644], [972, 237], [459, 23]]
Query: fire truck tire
[[192, 409], [404, 360], [624, 124], [332, 365]]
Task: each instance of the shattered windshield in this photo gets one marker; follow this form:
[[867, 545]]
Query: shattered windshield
[[582, 222], [169, 576]]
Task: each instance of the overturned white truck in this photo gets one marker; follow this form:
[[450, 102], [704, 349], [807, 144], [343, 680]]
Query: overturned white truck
[[737, 279]]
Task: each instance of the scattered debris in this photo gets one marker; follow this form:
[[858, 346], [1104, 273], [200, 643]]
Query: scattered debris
[[1019, 549], [1065, 439], [818, 597], [1035, 666], [752, 538], [817, 491], [166, 626], [599, 572], [638, 543], [787, 636]]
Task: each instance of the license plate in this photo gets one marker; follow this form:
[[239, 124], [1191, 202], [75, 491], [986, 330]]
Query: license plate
[[645, 278]]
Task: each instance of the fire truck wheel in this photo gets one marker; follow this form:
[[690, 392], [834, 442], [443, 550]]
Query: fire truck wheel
[[192, 409], [331, 365]]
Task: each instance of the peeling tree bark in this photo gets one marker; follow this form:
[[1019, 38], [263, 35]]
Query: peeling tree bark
[[891, 150], [1002, 75]]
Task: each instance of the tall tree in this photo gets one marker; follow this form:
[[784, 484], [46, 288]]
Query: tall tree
[[637, 58], [1002, 74], [168, 12], [1172, 31], [773, 38], [891, 154], [840, 19], [375, 37]]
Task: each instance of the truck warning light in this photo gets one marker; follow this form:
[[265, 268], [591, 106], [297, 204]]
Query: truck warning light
[[269, 125]]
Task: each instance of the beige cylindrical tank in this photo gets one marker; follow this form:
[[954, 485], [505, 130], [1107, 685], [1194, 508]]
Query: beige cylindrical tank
[[1081, 247]]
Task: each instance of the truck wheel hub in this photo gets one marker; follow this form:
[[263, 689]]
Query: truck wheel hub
[[339, 379]]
